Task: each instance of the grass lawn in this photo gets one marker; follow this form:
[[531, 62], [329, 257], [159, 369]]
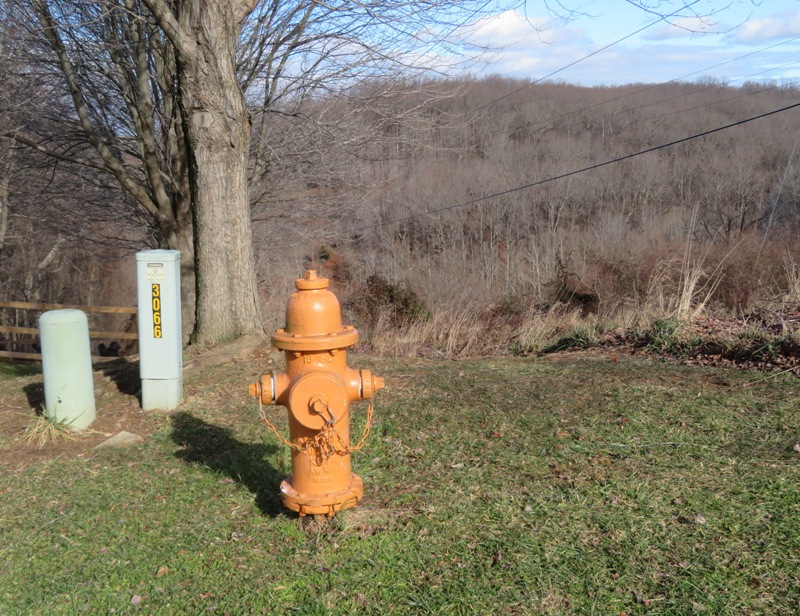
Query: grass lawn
[[572, 484], [10, 371]]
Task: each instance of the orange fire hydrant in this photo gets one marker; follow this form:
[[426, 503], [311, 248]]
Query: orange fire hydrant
[[317, 389]]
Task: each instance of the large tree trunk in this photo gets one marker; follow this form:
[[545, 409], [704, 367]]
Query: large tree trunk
[[218, 131], [182, 240]]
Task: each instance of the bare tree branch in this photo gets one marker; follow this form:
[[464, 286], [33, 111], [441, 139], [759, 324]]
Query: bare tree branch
[[182, 41], [109, 159], [75, 160]]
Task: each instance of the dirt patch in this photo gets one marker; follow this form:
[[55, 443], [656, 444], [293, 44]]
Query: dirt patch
[[117, 387], [117, 408], [240, 348]]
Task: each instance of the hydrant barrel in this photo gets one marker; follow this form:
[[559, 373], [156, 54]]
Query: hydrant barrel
[[317, 388]]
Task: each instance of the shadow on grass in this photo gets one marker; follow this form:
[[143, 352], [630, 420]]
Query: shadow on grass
[[34, 392], [124, 374], [215, 448]]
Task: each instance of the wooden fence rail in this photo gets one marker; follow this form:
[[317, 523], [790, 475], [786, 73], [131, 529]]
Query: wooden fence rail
[[42, 307]]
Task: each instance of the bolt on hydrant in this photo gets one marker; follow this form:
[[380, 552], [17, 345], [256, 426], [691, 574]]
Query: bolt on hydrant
[[317, 389]]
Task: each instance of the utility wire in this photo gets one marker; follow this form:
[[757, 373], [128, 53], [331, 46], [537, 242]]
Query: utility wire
[[609, 162], [645, 89], [571, 173], [675, 80], [579, 60], [703, 106], [683, 95]]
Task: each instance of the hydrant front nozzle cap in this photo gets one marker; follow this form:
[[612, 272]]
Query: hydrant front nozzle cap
[[254, 390]]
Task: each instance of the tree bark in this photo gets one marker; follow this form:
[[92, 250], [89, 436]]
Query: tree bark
[[5, 175], [218, 133], [182, 241]]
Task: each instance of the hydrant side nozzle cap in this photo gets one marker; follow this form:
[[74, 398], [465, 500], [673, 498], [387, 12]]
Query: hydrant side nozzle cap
[[370, 384], [311, 282]]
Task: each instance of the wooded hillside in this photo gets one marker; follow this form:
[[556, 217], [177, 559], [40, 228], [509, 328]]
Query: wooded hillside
[[711, 222], [708, 224]]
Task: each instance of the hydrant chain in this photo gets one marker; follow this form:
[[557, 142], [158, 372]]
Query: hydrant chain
[[323, 435], [272, 427]]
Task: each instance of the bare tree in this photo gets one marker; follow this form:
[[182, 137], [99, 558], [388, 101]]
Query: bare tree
[[159, 89], [155, 93]]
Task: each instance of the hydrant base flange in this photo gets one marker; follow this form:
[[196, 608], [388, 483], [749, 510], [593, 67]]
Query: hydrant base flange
[[322, 504]]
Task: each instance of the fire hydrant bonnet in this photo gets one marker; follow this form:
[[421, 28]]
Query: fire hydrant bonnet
[[313, 319]]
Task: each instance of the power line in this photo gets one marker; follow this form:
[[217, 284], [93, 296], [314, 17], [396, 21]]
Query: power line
[[622, 158], [571, 173], [579, 60], [645, 89], [675, 80], [677, 96], [704, 105]]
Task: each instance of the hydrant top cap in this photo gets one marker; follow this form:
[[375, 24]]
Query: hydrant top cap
[[311, 282]]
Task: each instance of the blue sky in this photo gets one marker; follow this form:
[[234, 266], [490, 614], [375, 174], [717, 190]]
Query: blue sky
[[757, 32]]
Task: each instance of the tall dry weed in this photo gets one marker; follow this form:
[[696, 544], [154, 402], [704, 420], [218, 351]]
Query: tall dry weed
[[791, 270], [448, 333], [541, 329], [467, 331]]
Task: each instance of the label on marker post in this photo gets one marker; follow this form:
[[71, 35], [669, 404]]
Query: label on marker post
[[156, 304], [155, 272]]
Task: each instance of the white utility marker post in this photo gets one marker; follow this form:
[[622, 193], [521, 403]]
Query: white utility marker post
[[67, 368], [158, 275]]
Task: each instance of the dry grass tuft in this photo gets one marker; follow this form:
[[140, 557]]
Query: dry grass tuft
[[541, 329], [45, 430]]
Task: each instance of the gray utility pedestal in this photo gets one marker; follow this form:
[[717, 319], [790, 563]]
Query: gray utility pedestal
[[158, 275]]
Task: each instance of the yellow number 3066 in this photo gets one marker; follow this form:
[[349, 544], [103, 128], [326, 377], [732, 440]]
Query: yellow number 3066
[[156, 303]]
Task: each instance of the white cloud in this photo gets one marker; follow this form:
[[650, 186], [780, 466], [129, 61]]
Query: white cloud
[[661, 53], [759, 30], [513, 29]]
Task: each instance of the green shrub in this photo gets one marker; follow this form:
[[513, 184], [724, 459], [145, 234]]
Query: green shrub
[[380, 299], [580, 338]]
